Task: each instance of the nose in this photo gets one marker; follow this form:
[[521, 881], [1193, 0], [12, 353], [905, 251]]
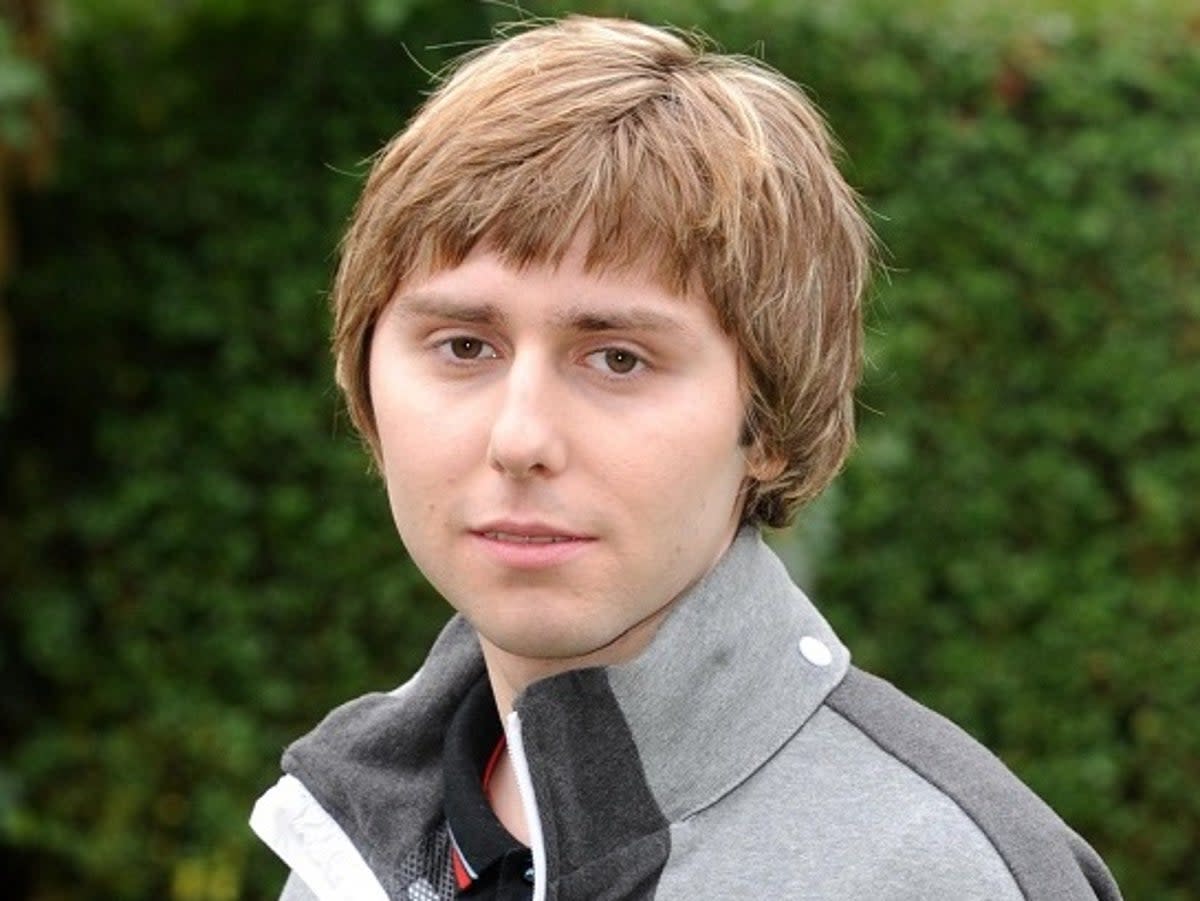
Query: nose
[[527, 437]]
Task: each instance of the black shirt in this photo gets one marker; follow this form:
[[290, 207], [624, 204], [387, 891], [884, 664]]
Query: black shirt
[[489, 863]]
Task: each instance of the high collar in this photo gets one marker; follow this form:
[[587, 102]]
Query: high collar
[[737, 667]]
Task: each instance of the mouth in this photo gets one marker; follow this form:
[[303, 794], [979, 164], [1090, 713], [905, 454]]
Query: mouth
[[530, 546], [519, 538], [527, 531]]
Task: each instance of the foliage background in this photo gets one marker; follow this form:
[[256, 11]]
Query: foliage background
[[195, 563]]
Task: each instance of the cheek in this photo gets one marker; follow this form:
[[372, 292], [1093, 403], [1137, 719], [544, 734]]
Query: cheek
[[429, 458], [423, 436], [419, 464], [680, 465], [420, 504]]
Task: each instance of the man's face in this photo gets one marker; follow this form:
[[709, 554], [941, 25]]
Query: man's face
[[560, 449]]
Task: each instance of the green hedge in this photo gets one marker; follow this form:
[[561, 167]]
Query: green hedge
[[196, 563]]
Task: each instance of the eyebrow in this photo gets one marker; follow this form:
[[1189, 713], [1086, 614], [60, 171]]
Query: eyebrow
[[439, 306], [583, 319], [580, 317]]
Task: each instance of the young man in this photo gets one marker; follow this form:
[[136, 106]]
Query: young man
[[597, 316]]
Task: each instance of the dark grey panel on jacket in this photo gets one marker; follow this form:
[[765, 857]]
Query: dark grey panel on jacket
[[604, 834], [378, 776], [1048, 861]]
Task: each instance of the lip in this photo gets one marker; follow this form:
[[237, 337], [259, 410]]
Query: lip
[[529, 545]]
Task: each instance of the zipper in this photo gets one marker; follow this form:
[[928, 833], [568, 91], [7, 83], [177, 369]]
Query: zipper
[[533, 822]]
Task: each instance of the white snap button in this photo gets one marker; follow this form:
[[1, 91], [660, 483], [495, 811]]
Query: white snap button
[[815, 651]]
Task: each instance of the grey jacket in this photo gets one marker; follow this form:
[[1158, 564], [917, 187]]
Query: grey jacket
[[739, 756]]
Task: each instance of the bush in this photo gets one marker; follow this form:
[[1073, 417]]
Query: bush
[[199, 565], [199, 559]]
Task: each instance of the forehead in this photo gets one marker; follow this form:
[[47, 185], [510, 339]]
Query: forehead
[[489, 285]]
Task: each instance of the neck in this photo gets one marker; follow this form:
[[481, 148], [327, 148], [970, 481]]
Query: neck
[[505, 798], [510, 674]]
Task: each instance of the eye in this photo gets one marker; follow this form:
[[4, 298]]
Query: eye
[[464, 347], [615, 360]]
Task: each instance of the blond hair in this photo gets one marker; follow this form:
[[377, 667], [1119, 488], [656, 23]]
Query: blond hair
[[703, 168]]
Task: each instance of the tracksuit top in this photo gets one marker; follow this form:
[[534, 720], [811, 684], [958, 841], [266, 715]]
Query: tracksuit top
[[740, 755]]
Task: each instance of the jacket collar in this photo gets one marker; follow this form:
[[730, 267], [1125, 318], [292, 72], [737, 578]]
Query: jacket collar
[[737, 668]]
